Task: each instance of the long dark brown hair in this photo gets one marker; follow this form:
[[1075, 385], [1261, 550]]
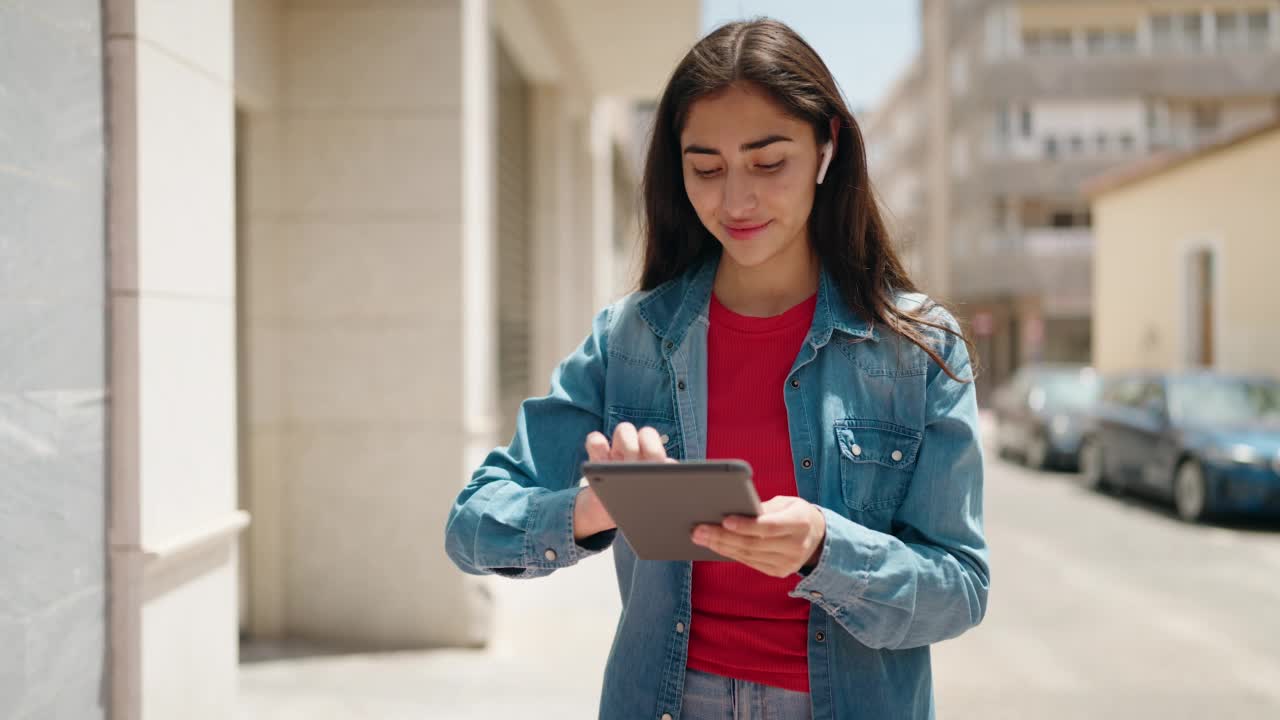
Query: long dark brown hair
[[845, 228]]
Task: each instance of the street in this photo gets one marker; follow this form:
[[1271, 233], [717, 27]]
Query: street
[[1104, 607], [1101, 607]]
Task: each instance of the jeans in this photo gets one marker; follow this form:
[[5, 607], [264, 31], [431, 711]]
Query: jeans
[[712, 697]]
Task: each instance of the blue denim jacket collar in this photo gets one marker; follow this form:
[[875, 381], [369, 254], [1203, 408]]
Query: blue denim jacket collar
[[671, 307]]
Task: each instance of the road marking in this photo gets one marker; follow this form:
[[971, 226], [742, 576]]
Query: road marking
[[1258, 672]]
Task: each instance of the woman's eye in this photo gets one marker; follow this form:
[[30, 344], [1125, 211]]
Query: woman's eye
[[705, 173], [771, 166]]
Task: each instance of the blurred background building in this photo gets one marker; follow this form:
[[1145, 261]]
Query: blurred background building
[[1201, 226], [980, 149], [341, 241]]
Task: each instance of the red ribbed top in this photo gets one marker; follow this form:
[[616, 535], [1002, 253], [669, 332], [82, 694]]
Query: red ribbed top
[[744, 625]]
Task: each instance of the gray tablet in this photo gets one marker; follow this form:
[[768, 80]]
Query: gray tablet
[[657, 505]]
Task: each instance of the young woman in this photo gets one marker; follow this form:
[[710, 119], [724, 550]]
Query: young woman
[[775, 324]]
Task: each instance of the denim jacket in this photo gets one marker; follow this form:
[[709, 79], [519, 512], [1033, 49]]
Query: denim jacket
[[882, 440]]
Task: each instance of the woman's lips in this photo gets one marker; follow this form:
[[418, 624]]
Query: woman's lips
[[746, 232]]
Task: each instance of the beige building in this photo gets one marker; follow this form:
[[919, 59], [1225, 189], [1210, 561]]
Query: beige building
[[980, 150], [1187, 252]]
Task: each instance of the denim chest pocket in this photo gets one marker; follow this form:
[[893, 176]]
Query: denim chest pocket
[[665, 423], [876, 462]]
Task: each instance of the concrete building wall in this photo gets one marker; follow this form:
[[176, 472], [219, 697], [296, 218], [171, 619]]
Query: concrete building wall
[[173, 522], [369, 211], [1224, 201], [356, 345], [53, 474]]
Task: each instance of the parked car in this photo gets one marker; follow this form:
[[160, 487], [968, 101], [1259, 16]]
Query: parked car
[[1041, 413], [1209, 442]]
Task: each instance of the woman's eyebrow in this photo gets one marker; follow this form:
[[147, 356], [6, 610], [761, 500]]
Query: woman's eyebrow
[[753, 145]]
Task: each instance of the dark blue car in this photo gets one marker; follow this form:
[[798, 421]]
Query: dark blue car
[[1208, 442]]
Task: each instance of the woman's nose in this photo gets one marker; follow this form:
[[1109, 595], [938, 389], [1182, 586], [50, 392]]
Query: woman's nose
[[739, 196]]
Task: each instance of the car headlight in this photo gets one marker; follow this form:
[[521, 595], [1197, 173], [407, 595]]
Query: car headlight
[[1237, 453]]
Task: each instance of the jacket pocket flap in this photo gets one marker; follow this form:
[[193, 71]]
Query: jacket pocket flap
[[878, 442]]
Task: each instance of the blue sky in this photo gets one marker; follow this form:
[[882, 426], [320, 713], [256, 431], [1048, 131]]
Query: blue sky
[[866, 43]]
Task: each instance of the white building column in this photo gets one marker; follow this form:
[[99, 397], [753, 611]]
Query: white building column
[[173, 523]]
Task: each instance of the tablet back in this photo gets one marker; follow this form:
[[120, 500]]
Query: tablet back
[[656, 505]]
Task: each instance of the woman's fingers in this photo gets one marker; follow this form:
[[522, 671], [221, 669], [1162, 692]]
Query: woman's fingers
[[626, 442], [651, 445], [597, 447]]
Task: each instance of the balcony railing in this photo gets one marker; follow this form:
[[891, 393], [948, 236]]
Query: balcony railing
[[1056, 242]]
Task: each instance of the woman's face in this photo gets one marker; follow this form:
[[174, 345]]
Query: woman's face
[[750, 170]]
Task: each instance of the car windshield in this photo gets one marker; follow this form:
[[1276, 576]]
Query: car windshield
[[1220, 400], [1067, 390]]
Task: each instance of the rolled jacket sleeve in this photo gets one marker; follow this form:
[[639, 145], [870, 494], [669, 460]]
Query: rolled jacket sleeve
[[928, 580], [515, 515]]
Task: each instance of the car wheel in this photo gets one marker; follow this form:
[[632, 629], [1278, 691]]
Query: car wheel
[[1190, 493], [1037, 454], [1091, 472]]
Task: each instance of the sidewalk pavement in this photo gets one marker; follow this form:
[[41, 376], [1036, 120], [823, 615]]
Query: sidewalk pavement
[[551, 637]]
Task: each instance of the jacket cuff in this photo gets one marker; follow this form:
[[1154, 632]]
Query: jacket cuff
[[549, 542], [844, 565]]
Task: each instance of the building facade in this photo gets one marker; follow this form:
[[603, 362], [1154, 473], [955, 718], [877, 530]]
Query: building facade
[[1013, 104], [1202, 226], [284, 269]]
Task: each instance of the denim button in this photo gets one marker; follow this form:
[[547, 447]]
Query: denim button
[[807, 463], [897, 456], [550, 555], [795, 382], [820, 636], [664, 439], [856, 450], [815, 593], [680, 385], [670, 344], [666, 716], [680, 627]]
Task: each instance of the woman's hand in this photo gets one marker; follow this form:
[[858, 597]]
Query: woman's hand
[[589, 515], [787, 536]]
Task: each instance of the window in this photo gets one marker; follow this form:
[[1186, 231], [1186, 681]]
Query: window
[[1177, 32], [1051, 147], [1111, 41], [1026, 122], [1257, 29], [1228, 30], [1124, 392], [1047, 43], [1248, 30]]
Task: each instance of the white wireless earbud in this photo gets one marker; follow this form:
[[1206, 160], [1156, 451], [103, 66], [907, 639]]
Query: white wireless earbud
[[826, 160]]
